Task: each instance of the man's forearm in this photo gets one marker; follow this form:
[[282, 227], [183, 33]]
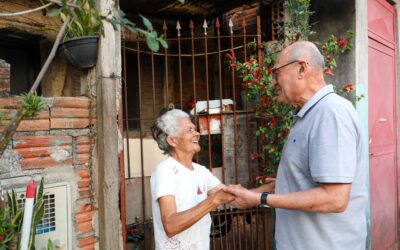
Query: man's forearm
[[329, 198]]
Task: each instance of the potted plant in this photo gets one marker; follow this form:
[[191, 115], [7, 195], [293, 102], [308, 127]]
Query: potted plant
[[85, 27], [82, 33]]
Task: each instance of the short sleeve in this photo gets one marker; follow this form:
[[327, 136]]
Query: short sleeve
[[211, 180], [333, 147], [161, 181]]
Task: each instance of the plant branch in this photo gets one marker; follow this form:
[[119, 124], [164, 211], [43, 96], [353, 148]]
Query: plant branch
[[26, 11], [11, 128]]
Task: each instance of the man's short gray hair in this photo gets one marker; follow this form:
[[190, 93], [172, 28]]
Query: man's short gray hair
[[307, 50], [167, 124]]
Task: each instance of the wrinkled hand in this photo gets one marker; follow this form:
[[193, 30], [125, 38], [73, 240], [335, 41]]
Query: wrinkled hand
[[243, 198], [221, 197]]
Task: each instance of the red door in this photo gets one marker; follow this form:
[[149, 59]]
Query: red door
[[382, 124]]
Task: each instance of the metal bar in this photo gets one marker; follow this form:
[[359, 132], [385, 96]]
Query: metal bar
[[207, 93], [126, 111], [122, 169], [196, 38], [153, 84], [166, 101], [141, 140], [247, 131], [235, 136], [191, 27], [217, 25], [180, 69]]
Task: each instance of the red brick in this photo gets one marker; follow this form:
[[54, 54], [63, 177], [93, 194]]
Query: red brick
[[83, 227], [65, 123], [86, 207], [82, 158], [83, 172], [83, 184], [71, 102], [34, 125], [84, 217], [60, 112], [85, 194], [9, 102], [40, 151], [81, 149], [88, 247], [87, 241], [84, 139], [41, 141], [43, 162]]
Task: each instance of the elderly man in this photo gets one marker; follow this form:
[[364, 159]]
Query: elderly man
[[321, 192]]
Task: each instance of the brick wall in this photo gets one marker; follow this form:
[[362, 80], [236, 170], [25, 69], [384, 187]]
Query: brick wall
[[57, 138]]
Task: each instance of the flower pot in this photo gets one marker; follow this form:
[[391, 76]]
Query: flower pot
[[81, 52]]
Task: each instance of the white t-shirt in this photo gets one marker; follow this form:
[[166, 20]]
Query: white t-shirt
[[189, 187]]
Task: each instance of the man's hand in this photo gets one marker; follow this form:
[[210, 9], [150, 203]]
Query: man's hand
[[243, 198]]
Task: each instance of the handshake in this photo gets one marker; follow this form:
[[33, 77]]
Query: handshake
[[239, 196]]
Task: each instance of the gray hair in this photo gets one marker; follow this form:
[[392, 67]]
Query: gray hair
[[167, 124], [307, 50]]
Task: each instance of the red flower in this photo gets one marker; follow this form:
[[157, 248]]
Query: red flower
[[233, 66], [1, 238], [272, 123], [348, 87], [342, 42], [328, 72], [254, 156], [246, 64], [328, 59], [257, 75], [252, 60], [264, 101], [245, 85]]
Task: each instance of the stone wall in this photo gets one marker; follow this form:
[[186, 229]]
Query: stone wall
[[58, 145]]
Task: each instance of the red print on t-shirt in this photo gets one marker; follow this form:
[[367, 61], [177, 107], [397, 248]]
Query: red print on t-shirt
[[199, 191]]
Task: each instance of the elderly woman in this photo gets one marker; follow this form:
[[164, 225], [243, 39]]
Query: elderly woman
[[183, 192]]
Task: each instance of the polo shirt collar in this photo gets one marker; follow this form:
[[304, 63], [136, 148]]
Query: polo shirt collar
[[313, 100]]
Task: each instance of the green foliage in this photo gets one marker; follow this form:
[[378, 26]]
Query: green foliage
[[297, 26], [11, 219], [6, 228], [87, 21], [274, 117], [50, 245], [1, 118], [32, 104]]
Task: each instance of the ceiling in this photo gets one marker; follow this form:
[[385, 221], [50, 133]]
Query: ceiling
[[174, 9]]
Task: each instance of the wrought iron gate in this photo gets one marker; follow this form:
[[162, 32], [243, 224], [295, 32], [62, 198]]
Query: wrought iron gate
[[194, 74]]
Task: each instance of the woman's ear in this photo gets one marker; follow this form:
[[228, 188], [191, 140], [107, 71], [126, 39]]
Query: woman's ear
[[171, 141]]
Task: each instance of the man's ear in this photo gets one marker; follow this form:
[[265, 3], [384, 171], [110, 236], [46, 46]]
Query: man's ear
[[302, 69], [171, 141]]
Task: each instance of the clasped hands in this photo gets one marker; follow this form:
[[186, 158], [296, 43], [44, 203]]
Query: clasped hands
[[245, 198]]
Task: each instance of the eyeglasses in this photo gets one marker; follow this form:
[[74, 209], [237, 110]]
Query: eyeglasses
[[275, 70]]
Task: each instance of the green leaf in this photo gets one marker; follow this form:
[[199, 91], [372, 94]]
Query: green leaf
[[163, 43], [151, 39], [53, 12], [147, 23]]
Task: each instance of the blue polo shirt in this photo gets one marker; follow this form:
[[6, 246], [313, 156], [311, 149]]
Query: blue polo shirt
[[324, 146]]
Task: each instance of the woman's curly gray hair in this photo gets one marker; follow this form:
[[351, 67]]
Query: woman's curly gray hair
[[167, 124]]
